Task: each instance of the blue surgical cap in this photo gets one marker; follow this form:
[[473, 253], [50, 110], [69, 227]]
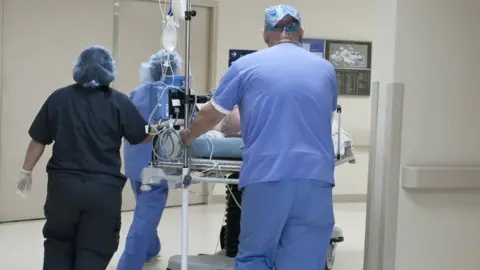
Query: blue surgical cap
[[160, 64], [273, 15], [95, 67]]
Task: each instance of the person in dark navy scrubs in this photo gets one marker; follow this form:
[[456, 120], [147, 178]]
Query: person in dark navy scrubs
[[86, 123]]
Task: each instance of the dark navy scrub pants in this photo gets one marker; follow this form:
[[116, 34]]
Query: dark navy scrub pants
[[82, 222]]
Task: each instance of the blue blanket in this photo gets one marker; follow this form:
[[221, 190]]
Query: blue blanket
[[223, 148]]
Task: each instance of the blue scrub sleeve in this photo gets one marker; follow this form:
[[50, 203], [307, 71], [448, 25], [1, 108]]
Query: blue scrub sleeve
[[132, 94], [228, 92], [40, 130], [132, 123]]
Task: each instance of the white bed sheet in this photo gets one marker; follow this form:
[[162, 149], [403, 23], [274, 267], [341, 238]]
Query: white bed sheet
[[345, 139]]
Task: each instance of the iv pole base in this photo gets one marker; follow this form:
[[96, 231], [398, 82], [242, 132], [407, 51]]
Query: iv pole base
[[203, 262]]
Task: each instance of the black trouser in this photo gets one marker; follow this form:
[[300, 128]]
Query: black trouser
[[83, 223]]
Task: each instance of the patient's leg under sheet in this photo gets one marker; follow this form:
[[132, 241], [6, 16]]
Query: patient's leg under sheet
[[286, 225]]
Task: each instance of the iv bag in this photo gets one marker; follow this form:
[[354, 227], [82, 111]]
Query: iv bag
[[179, 7], [169, 36]]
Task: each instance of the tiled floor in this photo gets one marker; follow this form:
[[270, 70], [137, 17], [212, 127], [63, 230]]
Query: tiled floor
[[21, 242]]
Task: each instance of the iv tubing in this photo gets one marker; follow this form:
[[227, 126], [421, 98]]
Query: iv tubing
[[185, 170]]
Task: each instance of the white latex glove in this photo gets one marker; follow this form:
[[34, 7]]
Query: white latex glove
[[24, 183]]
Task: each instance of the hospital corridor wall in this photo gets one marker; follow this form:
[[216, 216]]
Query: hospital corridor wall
[[424, 208], [322, 19], [40, 41]]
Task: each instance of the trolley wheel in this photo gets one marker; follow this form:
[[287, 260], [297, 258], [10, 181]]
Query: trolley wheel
[[331, 256], [222, 237]]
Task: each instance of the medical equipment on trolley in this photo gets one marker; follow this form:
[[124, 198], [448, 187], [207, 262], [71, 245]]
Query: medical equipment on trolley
[[169, 36], [179, 8], [209, 159], [218, 160], [168, 101]]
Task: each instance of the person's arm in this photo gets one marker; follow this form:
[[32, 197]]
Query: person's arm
[[152, 133], [231, 124], [226, 96], [34, 152], [41, 134], [133, 124], [219, 126], [206, 119]]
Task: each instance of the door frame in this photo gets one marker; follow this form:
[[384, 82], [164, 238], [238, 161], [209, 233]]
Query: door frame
[[1, 70], [384, 177], [213, 5]]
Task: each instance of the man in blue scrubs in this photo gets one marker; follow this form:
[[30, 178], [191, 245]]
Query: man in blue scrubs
[[142, 242], [286, 96], [86, 121]]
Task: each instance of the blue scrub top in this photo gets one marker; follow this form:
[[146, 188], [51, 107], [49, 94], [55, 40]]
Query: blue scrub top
[[286, 96], [137, 157], [87, 126]]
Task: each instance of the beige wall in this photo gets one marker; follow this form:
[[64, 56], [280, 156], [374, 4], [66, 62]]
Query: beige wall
[[40, 44], [240, 24], [239, 27], [62, 35], [41, 40], [441, 127], [430, 47]]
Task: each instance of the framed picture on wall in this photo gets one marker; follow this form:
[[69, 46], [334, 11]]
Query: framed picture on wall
[[349, 54], [352, 62]]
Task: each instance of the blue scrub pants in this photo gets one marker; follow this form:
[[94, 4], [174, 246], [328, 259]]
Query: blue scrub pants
[[142, 242], [285, 225]]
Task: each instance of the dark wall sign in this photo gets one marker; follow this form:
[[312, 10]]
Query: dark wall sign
[[316, 46], [234, 55], [353, 82]]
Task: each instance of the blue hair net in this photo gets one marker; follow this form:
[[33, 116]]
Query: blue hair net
[[160, 64], [273, 15], [95, 67]]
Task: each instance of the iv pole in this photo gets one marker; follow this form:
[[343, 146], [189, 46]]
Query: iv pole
[[189, 14]]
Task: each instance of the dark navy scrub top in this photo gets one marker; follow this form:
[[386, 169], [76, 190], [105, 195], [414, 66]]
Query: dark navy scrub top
[[87, 126]]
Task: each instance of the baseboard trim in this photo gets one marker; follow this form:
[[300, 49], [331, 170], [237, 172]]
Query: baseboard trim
[[349, 198], [216, 199], [338, 198]]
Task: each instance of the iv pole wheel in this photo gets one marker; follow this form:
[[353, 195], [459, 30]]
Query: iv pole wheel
[[222, 237], [331, 256]]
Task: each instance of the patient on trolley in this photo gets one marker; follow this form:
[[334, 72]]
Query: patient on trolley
[[224, 140], [229, 126]]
